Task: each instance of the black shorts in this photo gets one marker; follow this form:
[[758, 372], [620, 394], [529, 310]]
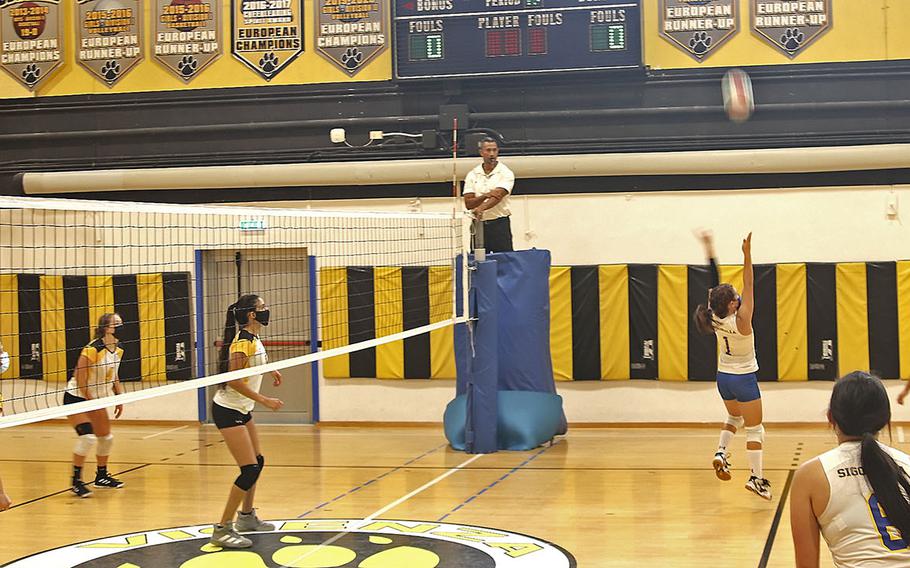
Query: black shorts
[[228, 417], [71, 398]]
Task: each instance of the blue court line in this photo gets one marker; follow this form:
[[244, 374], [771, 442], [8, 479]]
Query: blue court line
[[370, 482], [495, 483]]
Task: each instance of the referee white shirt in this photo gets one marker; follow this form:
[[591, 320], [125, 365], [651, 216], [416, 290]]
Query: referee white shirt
[[481, 183]]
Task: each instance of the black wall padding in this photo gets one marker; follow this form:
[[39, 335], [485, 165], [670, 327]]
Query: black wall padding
[[30, 349], [764, 320], [821, 320], [585, 323], [361, 320], [415, 299], [881, 302], [702, 352], [643, 321]]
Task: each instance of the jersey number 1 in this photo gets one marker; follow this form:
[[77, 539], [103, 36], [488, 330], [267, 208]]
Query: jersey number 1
[[727, 346]]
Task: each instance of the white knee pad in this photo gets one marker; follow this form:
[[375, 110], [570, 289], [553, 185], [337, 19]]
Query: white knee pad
[[735, 421], [84, 444], [104, 445], [755, 433]]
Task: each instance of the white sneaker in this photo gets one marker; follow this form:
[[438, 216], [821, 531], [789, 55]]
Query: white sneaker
[[226, 537], [759, 486], [251, 523], [722, 466]]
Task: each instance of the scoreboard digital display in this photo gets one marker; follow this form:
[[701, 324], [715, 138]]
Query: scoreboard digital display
[[467, 38]]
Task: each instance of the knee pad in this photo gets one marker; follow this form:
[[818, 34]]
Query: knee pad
[[248, 476], [755, 433], [735, 421], [84, 428], [84, 444], [260, 459], [104, 445]]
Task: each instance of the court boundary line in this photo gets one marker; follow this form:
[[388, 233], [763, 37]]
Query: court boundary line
[[772, 532], [68, 489], [495, 483]]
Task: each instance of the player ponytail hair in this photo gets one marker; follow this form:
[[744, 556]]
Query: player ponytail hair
[[860, 408], [719, 299], [237, 313]]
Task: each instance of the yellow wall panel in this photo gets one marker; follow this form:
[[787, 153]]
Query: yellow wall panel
[[852, 318], [333, 303], [732, 274], [389, 320], [903, 315], [53, 329], [672, 323], [100, 298], [614, 321], [151, 326], [442, 341], [9, 322], [792, 330], [561, 322]]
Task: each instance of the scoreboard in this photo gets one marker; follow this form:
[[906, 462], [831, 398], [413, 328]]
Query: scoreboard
[[467, 38]]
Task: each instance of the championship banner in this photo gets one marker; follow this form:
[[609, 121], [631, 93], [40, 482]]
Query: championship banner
[[790, 26], [187, 35], [109, 37], [349, 33], [31, 39], [698, 27], [266, 34]]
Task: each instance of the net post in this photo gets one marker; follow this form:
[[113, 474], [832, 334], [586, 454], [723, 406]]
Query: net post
[[200, 333], [314, 335]]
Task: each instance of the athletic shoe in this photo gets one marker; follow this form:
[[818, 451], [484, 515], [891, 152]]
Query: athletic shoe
[[722, 466], [251, 523], [108, 482], [81, 490], [759, 486], [226, 537]]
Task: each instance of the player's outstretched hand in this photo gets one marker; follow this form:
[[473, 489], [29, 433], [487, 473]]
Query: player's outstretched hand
[[747, 244]]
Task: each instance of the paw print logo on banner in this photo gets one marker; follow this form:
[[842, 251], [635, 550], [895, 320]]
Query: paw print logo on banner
[[31, 74]]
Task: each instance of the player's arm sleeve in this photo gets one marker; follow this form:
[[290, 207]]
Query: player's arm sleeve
[[90, 354], [244, 346], [715, 273]]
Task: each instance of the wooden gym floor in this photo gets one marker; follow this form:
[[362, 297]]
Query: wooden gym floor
[[610, 497]]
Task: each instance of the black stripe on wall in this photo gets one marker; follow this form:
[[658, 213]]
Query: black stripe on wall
[[415, 302], [881, 301], [702, 352], [821, 320], [585, 323], [178, 346], [643, 321], [78, 329], [126, 303], [361, 320], [30, 366], [764, 320]]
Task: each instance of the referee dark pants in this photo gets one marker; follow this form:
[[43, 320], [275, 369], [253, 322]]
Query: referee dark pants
[[497, 235]]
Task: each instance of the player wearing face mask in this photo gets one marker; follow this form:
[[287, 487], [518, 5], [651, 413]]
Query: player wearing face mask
[[96, 376]]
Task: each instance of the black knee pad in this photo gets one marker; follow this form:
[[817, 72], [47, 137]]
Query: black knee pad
[[260, 459], [248, 476], [84, 428]]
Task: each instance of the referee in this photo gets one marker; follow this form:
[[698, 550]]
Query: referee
[[486, 193]]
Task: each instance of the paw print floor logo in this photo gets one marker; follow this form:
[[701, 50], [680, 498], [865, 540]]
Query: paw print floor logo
[[778, 29], [268, 63], [317, 543], [187, 66], [352, 58], [31, 74]]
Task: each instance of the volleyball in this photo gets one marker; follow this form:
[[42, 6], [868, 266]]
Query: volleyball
[[737, 90]]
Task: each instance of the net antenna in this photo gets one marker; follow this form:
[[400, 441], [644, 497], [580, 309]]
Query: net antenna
[[170, 272]]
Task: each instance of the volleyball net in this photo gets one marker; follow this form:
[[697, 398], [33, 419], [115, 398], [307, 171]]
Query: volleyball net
[[171, 272]]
